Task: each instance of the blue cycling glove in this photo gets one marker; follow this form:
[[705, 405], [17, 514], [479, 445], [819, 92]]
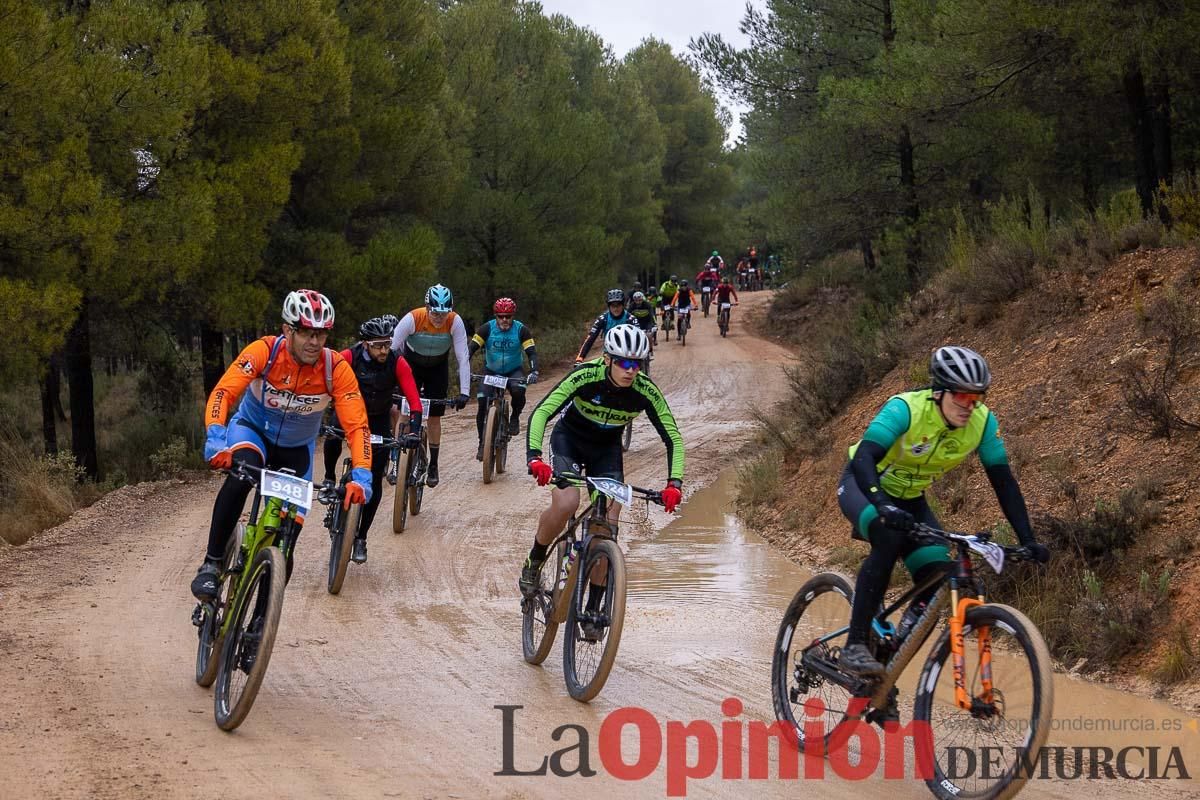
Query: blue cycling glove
[[362, 476], [215, 441]]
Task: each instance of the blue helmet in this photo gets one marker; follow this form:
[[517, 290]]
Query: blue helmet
[[438, 298]]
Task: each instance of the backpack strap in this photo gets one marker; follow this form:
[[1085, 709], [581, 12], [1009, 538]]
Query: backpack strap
[[279, 340]]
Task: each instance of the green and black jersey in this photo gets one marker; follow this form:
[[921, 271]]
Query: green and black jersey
[[598, 409]]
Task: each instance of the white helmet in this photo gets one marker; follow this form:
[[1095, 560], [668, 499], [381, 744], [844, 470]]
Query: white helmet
[[305, 308], [627, 341]]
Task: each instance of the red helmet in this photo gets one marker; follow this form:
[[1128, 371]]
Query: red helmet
[[505, 305]]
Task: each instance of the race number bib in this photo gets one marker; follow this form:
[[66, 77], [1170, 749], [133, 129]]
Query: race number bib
[[289, 488], [376, 438], [499, 381], [621, 492], [724, 306]]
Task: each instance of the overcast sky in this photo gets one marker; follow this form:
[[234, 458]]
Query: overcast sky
[[623, 24]]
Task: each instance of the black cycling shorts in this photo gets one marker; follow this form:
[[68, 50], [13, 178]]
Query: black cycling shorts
[[432, 383], [575, 455]]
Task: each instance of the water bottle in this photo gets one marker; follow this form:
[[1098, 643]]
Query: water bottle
[[909, 619]]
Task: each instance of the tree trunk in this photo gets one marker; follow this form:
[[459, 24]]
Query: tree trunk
[[83, 406], [1163, 156], [912, 208], [49, 393], [868, 253], [1143, 136], [234, 347], [212, 356]]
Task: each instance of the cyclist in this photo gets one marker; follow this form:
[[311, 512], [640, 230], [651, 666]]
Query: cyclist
[[916, 438], [502, 341], [715, 263], [424, 337], [291, 380], [652, 297], [707, 279], [685, 298], [724, 292], [379, 372], [614, 316], [643, 315], [601, 397], [668, 289]]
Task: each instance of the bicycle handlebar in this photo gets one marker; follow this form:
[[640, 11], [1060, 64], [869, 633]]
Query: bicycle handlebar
[[1016, 553], [650, 495], [253, 475]]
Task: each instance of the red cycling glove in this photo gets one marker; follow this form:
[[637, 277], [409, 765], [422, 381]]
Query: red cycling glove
[[222, 460], [672, 496], [540, 470], [354, 494]]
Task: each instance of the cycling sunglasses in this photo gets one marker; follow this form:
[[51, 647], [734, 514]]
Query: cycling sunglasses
[[379, 344], [504, 316], [967, 398], [628, 363]]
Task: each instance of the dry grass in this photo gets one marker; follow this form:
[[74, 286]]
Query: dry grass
[[38, 491]]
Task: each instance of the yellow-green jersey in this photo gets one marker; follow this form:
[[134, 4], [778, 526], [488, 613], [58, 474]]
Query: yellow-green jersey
[[597, 410]]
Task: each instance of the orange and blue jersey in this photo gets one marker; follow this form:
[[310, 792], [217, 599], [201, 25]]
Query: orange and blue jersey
[[285, 401]]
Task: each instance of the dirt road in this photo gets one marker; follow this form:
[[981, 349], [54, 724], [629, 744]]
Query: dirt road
[[392, 688]]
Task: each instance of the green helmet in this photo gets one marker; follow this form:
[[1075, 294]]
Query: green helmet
[[716, 254]]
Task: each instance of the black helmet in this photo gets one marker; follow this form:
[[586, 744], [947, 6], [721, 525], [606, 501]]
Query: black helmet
[[959, 369], [616, 296], [377, 328]]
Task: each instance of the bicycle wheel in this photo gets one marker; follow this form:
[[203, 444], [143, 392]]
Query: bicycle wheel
[[538, 626], [208, 649], [667, 325], [1014, 719], [500, 447], [416, 482], [489, 442], [235, 694], [586, 664], [820, 607], [400, 498], [627, 436], [341, 542]]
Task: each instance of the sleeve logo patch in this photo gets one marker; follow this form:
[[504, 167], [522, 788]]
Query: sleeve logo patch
[[246, 366]]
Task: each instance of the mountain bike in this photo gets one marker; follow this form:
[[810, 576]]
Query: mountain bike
[[668, 320], [418, 463], [723, 318], [232, 642], [588, 546], [705, 298], [978, 698], [496, 431], [683, 324]]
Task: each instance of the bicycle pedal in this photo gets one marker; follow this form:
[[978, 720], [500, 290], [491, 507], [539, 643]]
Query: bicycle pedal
[[199, 614]]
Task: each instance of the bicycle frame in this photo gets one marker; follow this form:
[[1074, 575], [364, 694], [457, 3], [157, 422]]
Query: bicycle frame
[[596, 514], [958, 574], [276, 523]]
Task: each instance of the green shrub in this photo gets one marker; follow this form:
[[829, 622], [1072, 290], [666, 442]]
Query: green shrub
[[758, 485], [1112, 528], [172, 458], [1179, 664]]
